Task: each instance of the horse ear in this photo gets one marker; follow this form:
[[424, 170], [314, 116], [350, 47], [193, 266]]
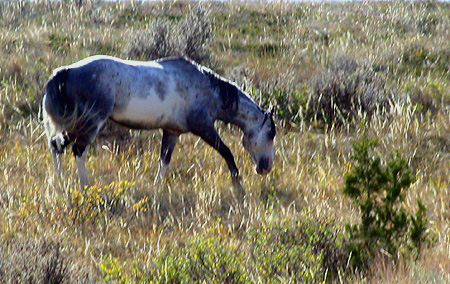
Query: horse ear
[[269, 114], [271, 110]]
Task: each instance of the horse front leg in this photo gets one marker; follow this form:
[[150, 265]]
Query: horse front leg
[[209, 134], [169, 140], [214, 140]]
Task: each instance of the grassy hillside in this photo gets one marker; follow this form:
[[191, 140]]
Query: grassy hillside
[[336, 71]]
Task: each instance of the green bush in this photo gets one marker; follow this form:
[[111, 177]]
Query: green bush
[[378, 188], [290, 104], [209, 260], [307, 251], [200, 260], [295, 252]]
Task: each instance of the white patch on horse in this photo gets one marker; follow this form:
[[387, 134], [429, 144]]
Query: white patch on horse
[[151, 112]]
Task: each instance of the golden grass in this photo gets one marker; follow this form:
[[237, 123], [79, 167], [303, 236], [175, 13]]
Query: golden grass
[[196, 197], [197, 192]]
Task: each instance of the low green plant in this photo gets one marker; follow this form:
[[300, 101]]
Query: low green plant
[[201, 260], [292, 252], [115, 271], [307, 251], [302, 251], [95, 203], [291, 103], [378, 188]]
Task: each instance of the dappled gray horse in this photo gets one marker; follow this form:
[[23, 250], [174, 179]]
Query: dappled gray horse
[[174, 94]]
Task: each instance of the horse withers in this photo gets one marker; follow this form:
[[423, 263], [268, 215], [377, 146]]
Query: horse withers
[[175, 94]]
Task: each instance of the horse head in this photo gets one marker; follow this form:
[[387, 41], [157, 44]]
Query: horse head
[[258, 141]]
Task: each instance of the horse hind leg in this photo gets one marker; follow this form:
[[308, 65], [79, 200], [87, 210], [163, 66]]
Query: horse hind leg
[[169, 140], [80, 149]]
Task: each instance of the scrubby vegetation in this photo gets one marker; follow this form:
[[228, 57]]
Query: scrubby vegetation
[[378, 188], [338, 72]]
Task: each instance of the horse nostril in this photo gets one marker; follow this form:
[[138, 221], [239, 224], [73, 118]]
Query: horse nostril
[[263, 166]]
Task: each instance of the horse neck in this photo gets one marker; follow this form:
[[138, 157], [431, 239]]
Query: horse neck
[[247, 115]]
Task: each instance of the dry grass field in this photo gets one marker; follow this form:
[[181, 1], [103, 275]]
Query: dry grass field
[[336, 71]]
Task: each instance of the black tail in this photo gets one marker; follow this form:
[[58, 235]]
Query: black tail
[[65, 110], [57, 103]]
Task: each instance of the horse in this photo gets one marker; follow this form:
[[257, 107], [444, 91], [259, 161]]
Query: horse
[[176, 95]]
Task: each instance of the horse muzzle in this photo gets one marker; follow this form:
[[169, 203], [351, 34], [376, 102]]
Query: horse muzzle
[[264, 166]]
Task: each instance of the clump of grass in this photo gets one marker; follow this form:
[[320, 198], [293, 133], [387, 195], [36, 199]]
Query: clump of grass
[[347, 90], [30, 261], [163, 37]]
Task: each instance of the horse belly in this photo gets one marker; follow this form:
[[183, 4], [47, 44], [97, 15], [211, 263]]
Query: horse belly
[[151, 113]]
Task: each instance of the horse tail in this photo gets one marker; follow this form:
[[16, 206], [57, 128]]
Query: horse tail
[[62, 107], [71, 115], [57, 104], [55, 108]]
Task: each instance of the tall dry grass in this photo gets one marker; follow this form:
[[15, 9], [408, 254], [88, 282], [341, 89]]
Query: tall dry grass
[[279, 52]]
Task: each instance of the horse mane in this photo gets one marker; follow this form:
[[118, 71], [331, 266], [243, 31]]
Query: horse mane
[[273, 129], [228, 91]]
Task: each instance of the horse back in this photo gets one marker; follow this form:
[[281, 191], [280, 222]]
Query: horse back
[[161, 95], [143, 95]]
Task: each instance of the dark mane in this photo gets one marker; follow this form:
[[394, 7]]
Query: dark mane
[[229, 92], [273, 129]]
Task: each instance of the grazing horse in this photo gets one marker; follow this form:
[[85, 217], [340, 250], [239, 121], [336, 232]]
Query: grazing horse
[[175, 94]]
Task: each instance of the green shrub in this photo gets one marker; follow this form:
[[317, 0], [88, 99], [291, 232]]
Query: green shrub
[[208, 260], [295, 252], [200, 260], [270, 252], [378, 188], [290, 104]]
